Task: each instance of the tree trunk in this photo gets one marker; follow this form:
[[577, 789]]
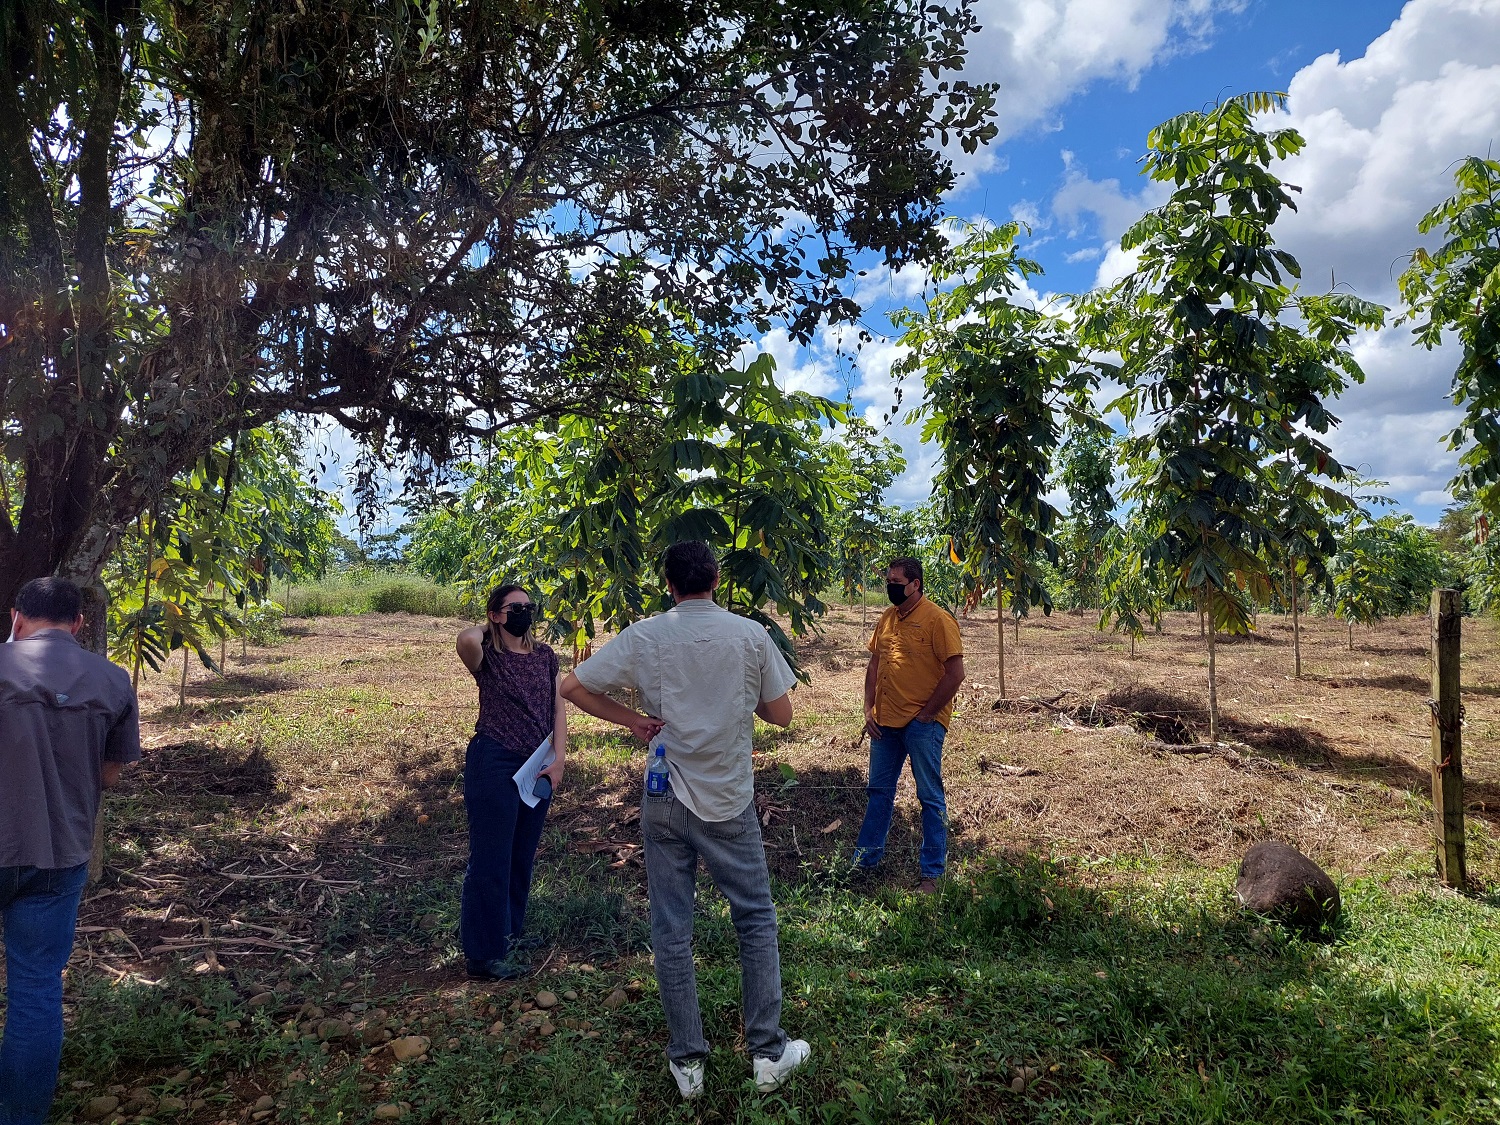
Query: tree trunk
[[135, 675], [1000, 633], [1200, 619], [94, 636], [1132, 646], [1351, 634], [182, 686], [1296, 628], [1213, 690], [1017, 616]]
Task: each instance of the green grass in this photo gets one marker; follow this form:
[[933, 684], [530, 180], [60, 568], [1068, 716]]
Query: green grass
[[1133, 998], [353, 592], [1131, 985]]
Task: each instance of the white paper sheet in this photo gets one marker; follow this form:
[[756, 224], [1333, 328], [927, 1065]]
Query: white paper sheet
[[526, 776]]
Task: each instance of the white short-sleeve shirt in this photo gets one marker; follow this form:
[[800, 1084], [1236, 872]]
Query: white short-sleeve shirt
[[702, 671]]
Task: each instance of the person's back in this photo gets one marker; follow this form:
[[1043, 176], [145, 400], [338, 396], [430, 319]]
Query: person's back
[[701, 670], [63, 710], [68, 725], [702, 675]]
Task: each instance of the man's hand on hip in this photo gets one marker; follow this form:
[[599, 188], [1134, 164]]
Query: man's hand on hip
[[645, 728], [610, 710]]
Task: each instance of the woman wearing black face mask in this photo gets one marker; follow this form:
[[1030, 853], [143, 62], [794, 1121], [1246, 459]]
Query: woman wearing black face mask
[[519, 707]]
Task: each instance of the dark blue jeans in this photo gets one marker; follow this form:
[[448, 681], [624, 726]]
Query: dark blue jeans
[[40, 907], [503, 837], [923, 743]]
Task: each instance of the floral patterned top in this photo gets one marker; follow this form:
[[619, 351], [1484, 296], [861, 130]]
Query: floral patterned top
[[516, 696]]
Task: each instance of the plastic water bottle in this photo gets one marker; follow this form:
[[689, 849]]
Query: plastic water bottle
[[656, 773]]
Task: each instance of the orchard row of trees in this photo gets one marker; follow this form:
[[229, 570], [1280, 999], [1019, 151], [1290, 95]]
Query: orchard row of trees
[[1222, 369], [430, 223], [197, 566], [1224, 372], [528, 242]]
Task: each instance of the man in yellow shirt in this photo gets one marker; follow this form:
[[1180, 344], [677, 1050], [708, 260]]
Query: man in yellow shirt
[[916, 666]]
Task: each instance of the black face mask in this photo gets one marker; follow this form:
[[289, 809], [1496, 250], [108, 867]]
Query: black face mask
[[896, 591], [517, 621]]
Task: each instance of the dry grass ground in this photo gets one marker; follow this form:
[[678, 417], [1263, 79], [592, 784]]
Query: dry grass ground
[[343, 745], [302, 820]]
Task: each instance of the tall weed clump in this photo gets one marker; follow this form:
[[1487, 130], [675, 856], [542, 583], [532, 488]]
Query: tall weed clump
[[366, 590]]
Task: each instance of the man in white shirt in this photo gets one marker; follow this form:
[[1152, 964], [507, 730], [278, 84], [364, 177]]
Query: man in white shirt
[[703, 673]]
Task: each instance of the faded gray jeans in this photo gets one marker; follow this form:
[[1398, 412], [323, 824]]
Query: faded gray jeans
[[736, 861]]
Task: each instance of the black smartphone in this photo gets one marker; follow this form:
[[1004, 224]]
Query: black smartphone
[[543, 789]]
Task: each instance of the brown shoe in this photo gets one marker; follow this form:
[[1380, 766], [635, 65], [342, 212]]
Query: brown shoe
[[927, 887]]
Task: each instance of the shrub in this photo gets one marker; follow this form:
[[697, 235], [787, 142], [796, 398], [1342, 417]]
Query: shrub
[[363, 590], [263, 622], [413, 595]]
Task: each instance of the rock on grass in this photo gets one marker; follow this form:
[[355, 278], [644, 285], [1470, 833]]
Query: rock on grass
[[1278, 881], [409, 1047]]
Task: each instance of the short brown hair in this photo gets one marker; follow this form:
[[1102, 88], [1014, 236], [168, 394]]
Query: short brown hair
[[908, 566]]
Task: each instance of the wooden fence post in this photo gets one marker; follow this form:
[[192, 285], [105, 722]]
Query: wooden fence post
[[1447, 738]]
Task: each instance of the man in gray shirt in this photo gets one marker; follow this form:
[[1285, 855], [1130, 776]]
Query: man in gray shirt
[[703, 674], [68, 725]]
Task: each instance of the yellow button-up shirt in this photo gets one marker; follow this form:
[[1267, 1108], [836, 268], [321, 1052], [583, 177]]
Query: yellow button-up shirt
[[912, 651]]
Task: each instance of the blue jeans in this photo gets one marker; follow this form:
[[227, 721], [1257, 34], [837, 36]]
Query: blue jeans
[[736, 861], [503, 837], [923, 743], [40, 907]]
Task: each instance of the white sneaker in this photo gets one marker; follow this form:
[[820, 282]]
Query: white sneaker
[[689, 1077], [771, 1073]]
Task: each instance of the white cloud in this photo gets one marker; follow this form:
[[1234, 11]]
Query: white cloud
[[1116, 264], [796, 370], [1111, 208], [1383, 132], [1041, 52], [1030, 214], [1101, 211], [865, 369], [1394, 425], [883, 287]]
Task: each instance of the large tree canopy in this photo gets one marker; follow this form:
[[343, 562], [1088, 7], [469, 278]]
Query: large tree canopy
[[426, 220], [1457, 288]]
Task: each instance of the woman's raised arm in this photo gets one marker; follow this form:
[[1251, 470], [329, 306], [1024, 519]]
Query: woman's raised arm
[[471, 647]]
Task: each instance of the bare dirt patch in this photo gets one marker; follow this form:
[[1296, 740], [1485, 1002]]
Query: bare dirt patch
[[311, 800], [1334, 763]]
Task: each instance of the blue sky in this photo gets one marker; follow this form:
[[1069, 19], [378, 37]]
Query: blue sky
[[1388, 96], [1103, 128]]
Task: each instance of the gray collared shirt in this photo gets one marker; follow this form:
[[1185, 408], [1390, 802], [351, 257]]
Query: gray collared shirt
[[702, 671], [63, 711]]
